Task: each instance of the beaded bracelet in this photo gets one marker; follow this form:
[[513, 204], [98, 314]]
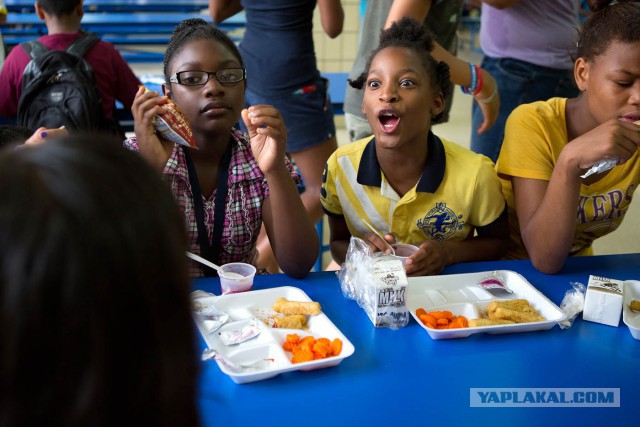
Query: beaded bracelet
[[489, 98]]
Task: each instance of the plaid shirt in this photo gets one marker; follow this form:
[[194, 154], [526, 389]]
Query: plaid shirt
[[247, 189]]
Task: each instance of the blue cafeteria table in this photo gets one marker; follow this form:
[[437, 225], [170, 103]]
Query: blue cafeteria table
[[403, 377]]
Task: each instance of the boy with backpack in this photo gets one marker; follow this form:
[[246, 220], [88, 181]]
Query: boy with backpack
[[44, 89]]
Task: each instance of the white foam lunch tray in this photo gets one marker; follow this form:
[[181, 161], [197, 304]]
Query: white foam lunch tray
[[631, 289], [268, 345], [461, 294]]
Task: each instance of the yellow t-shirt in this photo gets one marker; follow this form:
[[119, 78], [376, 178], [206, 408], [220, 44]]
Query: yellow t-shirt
[[459, 190], [534, 137]]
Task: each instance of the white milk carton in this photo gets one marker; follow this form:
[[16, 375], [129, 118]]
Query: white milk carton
[[603, 301], [390, 288]]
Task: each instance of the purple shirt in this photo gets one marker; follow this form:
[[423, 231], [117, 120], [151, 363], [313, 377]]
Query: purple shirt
[[247, 189], [541, 32]]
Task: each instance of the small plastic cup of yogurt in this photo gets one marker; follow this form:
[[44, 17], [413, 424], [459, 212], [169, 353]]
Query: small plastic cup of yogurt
[[236, 277]]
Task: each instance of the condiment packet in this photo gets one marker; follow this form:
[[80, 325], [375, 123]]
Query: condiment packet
[[206, 312], [601, 166], [173, 126], [606, 164], [232, 336], [200, 300], [212, 319], [494, 284]]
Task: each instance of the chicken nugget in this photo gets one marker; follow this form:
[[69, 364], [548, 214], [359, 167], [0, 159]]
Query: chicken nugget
[[294, 321], [284, 306], [474, 323], [516, 304], [634, 305], [515, 315]]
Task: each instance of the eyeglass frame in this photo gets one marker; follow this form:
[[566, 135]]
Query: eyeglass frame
[[175, 78]]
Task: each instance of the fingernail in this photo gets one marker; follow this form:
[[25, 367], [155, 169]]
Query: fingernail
[[43, 134]]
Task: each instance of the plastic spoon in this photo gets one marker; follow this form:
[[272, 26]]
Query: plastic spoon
[[209, 264], [372, 228], [211, 353]]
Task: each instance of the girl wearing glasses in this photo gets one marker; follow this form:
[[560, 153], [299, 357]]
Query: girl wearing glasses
[[234, 182]]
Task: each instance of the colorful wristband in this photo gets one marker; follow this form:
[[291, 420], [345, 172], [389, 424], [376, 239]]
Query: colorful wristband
[[476, 81], [479, 81]]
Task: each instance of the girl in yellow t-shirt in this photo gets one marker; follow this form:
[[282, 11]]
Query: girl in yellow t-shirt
[[556, 208]]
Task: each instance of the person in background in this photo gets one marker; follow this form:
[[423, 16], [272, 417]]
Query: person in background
[[95, 319], [527, 48], [233, 182], [3, 19], [405, 181], [115, 80], [441, 18], [279, 53], [556, 209]]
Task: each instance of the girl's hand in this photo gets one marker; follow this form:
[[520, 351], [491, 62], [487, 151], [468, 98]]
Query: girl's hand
[[376, 244], [613, 139], [489, 102], [430, 259], [44, 134], [146, 105], [268, 135]]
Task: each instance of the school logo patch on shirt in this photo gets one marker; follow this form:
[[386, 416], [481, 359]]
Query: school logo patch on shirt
[[440, 222]]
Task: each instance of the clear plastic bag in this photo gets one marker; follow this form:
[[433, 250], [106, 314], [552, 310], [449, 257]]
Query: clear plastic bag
[[572, 304], [377, 282]]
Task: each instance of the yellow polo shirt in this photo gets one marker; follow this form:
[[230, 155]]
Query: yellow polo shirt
[[535, 134], [458, 191]]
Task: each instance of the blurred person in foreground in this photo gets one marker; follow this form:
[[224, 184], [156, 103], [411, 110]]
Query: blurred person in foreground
[[94, 293]]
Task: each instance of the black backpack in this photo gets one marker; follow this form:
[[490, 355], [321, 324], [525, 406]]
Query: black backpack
[[59, 89]]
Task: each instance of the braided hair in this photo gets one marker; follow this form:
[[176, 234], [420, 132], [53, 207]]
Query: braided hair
[[411, 34], [610, 20], [195, 29]]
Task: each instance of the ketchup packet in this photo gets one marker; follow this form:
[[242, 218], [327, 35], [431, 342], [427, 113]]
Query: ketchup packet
[[494, 284], [236, 334], [205, 311], [601, 166], [173, 126]]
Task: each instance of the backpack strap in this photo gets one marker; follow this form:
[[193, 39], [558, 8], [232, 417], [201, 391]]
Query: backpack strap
[[82, 44], [34, 49]]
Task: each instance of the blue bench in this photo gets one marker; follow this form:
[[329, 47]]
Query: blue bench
[[121, 22], [152, 29], [27, 6]]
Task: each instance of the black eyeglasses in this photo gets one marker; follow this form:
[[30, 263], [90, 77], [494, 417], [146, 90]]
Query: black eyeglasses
[[228, 76]]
